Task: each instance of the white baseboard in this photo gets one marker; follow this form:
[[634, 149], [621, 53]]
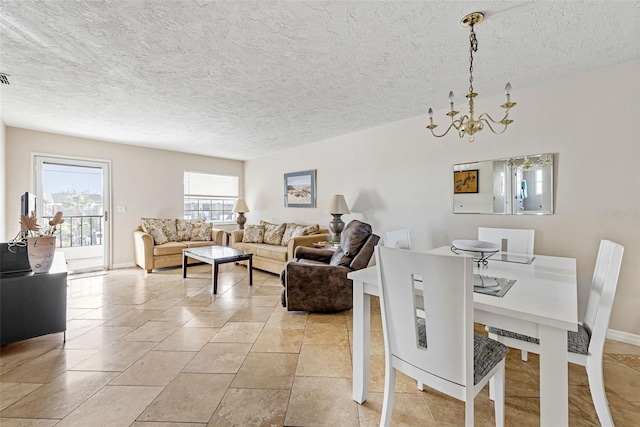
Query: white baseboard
[[123, 265], [625, 337]]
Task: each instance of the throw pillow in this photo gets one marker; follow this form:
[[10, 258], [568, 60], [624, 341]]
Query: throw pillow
[[155, 227], [170, 230], [273, 232], [201, 231], [185, 228], [253, 234], [296, 230]]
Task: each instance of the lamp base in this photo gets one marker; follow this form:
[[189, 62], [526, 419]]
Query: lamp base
[[241, 220], [336, 226]]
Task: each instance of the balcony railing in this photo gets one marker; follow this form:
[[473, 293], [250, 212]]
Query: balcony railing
[[78, 230]]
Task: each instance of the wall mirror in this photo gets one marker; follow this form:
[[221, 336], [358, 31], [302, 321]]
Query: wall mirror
[[516, 185]]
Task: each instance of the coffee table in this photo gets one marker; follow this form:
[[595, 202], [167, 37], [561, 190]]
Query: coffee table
[[216, 255]]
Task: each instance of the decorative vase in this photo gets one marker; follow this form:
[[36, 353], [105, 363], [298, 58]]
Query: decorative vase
[[40, 250]]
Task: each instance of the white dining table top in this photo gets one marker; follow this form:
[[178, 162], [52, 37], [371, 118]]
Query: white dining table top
[[545, 291]]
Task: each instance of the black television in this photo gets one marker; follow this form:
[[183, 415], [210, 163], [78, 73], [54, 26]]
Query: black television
[[27, 203]]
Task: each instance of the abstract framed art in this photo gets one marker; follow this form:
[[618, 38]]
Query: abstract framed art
[[300, 189], [465, 181]]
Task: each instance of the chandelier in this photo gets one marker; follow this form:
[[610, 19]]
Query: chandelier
[[528, 162], [468, 124]]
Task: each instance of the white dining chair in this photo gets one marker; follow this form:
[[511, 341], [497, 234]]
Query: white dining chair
[[511, 240], [398, 239], [436, 346], [586, 346]]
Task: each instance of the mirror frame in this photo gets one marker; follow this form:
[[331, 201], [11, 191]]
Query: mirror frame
[[502, 176]]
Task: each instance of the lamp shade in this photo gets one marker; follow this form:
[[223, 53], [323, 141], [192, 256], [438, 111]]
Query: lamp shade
[[337, 205], [241, 206]]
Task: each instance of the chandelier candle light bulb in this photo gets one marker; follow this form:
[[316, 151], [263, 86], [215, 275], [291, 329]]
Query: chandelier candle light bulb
[[467, 124]]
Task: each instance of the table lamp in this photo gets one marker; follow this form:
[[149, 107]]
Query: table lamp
[[241, 208], [337, 207]]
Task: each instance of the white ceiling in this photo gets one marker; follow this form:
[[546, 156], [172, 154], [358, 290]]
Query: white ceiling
[[244, 79]]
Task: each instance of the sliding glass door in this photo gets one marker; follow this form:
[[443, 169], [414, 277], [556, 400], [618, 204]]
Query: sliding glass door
[[80, 190]]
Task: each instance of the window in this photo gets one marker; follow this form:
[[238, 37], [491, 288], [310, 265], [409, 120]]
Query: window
[[209, 196], [539, 182]]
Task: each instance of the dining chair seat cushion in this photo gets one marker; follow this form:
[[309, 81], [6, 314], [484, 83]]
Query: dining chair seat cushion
[[577, 342], [487, 353]]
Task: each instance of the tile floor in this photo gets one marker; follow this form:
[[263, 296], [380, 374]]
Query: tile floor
[[158, 350]]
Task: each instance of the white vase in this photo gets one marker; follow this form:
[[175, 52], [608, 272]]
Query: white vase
[[40, 250]]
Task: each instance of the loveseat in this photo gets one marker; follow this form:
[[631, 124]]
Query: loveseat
[[273, 245], [159, 242]]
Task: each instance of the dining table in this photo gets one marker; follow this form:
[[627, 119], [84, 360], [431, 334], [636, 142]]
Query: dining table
[[541, 303]]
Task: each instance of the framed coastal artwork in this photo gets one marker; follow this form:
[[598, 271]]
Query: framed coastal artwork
[[300, 189]]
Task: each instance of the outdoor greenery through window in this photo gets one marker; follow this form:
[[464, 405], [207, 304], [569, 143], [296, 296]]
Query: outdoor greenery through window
[[209, 196]]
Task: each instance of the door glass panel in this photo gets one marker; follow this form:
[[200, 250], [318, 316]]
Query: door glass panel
[[77, 189]]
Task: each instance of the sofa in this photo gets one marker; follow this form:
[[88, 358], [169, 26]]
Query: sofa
[[315, 280], [273, 245], [159, 243]]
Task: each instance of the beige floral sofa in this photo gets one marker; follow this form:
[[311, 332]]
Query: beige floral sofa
[[159, 243], [273, 245]]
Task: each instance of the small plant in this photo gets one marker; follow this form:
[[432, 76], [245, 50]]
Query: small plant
[[54, 223], [29, 225]]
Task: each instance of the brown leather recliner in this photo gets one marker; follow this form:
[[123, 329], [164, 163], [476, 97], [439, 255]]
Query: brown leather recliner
[[316, 279]]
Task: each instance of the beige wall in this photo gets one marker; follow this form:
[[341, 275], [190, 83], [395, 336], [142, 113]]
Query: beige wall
[[397, 175], [149, 182]]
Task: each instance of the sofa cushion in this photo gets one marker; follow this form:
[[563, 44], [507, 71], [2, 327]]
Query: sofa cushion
[[273, 232], [185, 228], [297, 230], [201, 231], [253, 234], [197, 243], [169, 248], [155, 227], [277, 253]]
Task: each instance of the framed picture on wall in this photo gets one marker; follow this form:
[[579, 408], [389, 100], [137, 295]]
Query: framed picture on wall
[[465, 181], [300, 189]]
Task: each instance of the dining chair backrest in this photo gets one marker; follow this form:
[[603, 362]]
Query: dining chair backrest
[[444, 351], [512, 240], [602, 293], [398, 239]]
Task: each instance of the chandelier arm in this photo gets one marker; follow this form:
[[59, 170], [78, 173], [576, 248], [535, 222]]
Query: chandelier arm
[[488, 123], [485, 116], [452, 125]]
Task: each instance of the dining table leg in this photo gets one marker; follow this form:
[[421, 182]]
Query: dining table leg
[[554, 377], [361, 342]]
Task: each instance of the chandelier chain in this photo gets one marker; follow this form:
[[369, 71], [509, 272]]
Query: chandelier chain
[[473, 47]]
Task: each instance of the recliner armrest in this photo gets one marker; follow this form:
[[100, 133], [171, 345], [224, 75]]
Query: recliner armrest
[[307, 241], [314, 254]]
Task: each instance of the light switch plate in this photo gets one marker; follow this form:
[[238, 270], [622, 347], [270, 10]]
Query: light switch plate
[[122, 208]]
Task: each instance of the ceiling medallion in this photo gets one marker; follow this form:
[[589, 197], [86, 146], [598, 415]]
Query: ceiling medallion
[[468, 124]]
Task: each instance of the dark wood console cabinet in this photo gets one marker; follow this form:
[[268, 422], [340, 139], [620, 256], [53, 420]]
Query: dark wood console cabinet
[[34, 304]]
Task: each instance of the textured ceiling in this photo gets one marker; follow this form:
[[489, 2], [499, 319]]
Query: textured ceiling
[[244, 79]]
